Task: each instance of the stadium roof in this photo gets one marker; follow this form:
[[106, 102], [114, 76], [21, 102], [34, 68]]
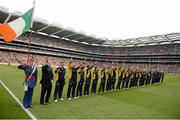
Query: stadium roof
[[42, 26]]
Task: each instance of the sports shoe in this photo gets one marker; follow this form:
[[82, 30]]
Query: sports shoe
[[69, 98], [55, 100], [61, 99], [75, 97]]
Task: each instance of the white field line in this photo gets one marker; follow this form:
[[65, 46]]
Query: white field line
[[18, 101]]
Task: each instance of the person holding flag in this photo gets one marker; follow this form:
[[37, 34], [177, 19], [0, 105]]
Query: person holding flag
[[30, 70]]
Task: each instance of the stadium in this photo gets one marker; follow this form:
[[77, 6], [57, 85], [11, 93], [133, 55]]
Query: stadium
[[160, 52]]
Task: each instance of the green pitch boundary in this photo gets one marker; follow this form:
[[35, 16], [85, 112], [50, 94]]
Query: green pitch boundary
[[18, 101]]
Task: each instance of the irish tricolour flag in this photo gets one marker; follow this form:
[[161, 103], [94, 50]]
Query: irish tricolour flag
[[12, 30]]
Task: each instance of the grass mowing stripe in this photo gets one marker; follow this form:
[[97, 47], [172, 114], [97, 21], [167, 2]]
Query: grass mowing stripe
[[17, 100], [9, 108]]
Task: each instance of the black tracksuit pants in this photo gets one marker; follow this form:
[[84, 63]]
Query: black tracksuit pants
[[71, 88], [58, 90], [79, 88], [86, 87], [141, 82], [102, 86], [131, 82], [94, 84], [124, 83], [113, 81], [119, 83], [108, 85]]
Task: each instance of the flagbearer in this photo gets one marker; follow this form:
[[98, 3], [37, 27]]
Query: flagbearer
[[30, 71]]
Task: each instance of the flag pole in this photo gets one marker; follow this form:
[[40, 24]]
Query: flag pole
[[30, 36]]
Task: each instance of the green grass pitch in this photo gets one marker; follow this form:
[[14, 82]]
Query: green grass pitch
[[158, 101]]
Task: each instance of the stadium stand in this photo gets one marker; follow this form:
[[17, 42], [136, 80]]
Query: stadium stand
[[58, 44]]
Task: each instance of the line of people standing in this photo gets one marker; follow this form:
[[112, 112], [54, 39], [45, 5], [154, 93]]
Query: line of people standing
[[112, 78], [81, 77]]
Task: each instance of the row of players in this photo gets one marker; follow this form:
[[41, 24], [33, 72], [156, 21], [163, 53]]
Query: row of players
[[109, 77], [80, 78]]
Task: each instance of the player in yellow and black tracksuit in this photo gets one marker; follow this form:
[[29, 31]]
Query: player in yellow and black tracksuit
[[141, 78], [132, 76], [127, 77], [162, 77], [125, 82], [136, 78], [113, 76], [108, 77], [94, 80], [72, 80], [120, 74], [88, 79], [103, 80], [60, 81], [123, 79], [80, 79], [148, 77]]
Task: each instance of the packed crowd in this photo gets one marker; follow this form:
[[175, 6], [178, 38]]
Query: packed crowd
[[14, 58], [148, 50]]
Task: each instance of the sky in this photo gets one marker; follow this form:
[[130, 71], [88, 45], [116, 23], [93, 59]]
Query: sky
[[110, 19]]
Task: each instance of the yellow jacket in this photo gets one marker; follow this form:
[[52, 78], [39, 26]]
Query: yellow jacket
[[70, 70]]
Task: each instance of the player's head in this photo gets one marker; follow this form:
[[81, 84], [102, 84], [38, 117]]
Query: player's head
[[61, 64]]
